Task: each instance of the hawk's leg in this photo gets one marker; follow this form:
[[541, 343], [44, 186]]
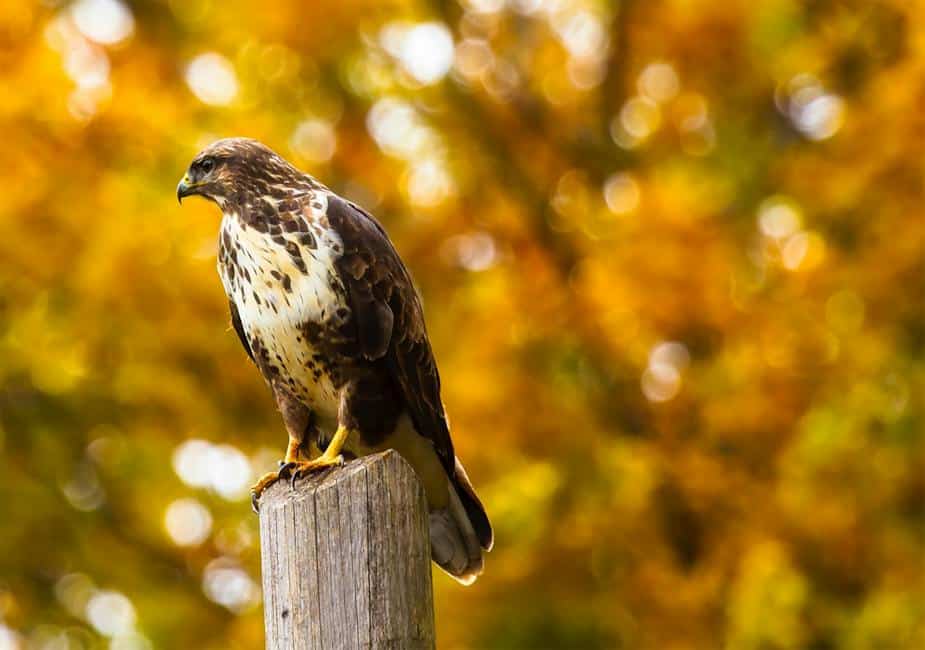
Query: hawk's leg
[[330, 458], [347, 425], [302, 434], [353, 397]]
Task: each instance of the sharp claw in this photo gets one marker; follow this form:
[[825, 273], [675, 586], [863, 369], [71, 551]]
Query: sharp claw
[[292, 479], [285, 469], [254, 506]]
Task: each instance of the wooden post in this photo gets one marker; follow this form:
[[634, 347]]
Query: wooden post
[[346, 559]]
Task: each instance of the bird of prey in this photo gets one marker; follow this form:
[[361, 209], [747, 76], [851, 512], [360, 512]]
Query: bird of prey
[[327, 311]]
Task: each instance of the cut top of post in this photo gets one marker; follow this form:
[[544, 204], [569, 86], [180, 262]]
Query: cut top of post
[[346, 559]]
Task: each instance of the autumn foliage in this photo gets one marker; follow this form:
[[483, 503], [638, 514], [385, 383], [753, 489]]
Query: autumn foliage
[[672, 256]]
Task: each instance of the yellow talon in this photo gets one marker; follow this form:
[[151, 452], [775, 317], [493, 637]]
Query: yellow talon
[[295, 468], [329, 458], [268, 479], [262, 484], [305, 467]]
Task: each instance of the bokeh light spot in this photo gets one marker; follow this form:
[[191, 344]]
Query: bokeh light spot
[[794, 250], [87, 65], [813, 111], [659, 82], [9, 639], [221, 468], [621, 193], [227, 584], [474, 57], [425, 51], [84, 490], [190, 461], [822, 117], [212, 79], [661, 383], [314, 140], [397, 129], [74, 591], [778, 217], [638, 119], [188, 522], [661, 380], [110, 613], [473, 252], [104, 21], [582, 33], [429, 183]]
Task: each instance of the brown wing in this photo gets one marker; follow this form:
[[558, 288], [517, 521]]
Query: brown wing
[[390, 320]]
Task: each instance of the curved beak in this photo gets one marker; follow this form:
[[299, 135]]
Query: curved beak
[[184, 188]]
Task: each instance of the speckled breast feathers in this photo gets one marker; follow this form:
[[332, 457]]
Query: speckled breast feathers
[[276, 259]]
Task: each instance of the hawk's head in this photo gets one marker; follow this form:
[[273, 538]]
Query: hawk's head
[[233, 168]]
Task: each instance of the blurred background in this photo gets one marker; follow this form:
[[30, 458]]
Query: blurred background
[[672, 255]]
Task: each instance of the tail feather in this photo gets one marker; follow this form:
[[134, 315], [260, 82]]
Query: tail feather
[[453, 544], [474, 508], [459, 532]]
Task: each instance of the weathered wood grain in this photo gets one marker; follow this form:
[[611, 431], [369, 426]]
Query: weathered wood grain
[[346, 559]]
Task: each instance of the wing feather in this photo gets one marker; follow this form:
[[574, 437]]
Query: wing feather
[[390, 319]]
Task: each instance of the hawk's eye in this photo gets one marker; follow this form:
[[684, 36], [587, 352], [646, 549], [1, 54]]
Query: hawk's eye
[[207, 165]]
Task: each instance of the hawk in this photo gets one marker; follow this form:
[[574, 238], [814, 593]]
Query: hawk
[[327, 311]]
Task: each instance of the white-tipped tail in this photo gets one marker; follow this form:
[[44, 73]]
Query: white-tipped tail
[[454, 545]]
